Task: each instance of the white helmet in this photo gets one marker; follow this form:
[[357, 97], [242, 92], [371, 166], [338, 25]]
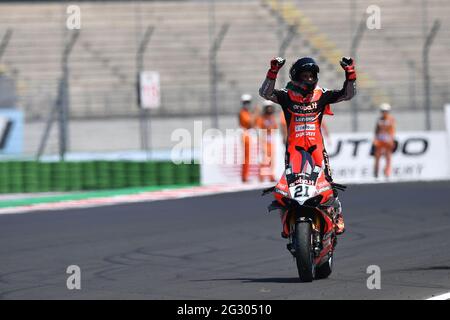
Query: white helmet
[[268, 107], [267, 103], [385, 107], [246, 97]]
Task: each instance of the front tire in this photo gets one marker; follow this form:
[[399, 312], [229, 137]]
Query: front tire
[[303, 251]]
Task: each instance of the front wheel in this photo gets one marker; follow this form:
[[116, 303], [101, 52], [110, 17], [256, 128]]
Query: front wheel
[[304, 255]]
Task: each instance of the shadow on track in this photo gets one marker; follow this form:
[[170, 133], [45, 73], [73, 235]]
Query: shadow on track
[[256, 280]]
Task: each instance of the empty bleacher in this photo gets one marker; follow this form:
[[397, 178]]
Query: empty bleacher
[[103, 61], [392, 55]]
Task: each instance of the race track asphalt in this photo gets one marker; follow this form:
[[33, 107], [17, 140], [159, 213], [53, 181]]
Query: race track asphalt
[[227, 246]]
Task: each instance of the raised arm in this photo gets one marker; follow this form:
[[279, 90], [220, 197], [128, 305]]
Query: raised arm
[[267, 90], [348, 90]]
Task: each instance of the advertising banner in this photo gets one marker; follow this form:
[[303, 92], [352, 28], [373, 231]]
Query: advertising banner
[[11, 131], [150, 92], [418, 156], [222, 158]]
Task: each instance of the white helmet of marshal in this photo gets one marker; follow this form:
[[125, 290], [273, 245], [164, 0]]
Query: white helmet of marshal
[[246, 97], [267, 103], [385, 107]]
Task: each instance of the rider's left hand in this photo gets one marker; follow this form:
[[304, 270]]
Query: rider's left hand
[[348, 64]]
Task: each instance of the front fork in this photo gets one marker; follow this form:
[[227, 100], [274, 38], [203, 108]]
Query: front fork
[[316, 236]]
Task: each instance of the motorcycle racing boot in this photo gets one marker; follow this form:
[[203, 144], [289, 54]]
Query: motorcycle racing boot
[[340, 226], [338, 218]]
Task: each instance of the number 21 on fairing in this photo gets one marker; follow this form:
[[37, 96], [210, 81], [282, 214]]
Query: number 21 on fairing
[[301, 191]]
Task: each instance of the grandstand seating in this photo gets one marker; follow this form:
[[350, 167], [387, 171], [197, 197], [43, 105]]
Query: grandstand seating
[[103, 62]]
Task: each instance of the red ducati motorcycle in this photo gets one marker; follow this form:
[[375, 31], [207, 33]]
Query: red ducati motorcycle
[[308, 206]]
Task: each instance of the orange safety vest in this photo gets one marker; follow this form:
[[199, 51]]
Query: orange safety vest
[[385, 129], [245, 119], [266, 122]]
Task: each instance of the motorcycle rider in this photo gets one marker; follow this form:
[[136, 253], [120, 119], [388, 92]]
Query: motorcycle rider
[[304, 104]]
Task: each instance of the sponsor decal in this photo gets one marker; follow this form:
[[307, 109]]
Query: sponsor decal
[[411, 146], [302, 127], [324, 189], [283, 193], [419, 156], [309, 107], [416, 156], [305, 119], [302, 181], [282, 186], [305, 133], [322, 184]]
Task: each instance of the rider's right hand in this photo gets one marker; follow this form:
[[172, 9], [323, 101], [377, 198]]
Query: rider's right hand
[[275, 65]]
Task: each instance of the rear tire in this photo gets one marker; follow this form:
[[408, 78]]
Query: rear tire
[[325, 270], [303, 251]]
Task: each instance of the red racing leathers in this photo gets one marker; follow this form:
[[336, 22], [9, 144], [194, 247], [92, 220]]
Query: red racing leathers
[[303, 114]]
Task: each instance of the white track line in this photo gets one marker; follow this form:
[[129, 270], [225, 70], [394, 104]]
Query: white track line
[[445, 296], [132, 198]]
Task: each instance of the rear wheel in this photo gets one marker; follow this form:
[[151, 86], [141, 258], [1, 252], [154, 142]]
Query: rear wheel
[[304, 255], [325, 270]]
